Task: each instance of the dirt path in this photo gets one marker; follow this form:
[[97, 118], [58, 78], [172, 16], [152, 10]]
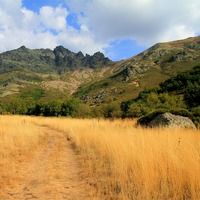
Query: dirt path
[[53, 174]]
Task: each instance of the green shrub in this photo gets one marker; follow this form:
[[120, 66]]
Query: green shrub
[[112, 110]]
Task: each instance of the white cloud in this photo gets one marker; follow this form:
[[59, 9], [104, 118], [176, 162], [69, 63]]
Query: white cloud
[[176, 32], [54, 18], [146, 21], [101, 21], [46, 29]]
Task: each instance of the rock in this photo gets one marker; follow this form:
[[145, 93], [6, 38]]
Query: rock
[[65, 58], [22, 48], [79, 55], [127, 72], [130, 71], [98, 59], [169, 120]]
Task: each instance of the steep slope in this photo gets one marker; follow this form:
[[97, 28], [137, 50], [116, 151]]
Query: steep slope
[[180, 93], [147, 69]]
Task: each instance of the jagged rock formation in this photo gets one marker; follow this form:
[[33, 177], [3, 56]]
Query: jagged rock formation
[[40, 60], [67, 59]]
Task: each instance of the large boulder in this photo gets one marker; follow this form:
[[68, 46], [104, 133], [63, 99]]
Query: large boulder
[[168, 120]]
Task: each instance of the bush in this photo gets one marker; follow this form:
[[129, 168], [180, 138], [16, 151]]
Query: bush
[[69, 107], [112, 110], [152, 102], [182, 81], [182, 112], [178, 95], [196, 111], [192, 95], [196, 116]]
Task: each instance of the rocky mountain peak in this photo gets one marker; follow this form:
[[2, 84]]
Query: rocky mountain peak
[[22, 48], [67, 59], [61, 51]]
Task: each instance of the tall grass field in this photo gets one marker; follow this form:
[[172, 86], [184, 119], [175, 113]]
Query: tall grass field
[[121, 160]]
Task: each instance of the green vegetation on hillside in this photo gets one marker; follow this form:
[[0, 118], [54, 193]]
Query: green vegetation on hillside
[[179, 95], [129, 77], [67, 107]]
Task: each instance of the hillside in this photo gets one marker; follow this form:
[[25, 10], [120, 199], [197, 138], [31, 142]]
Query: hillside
[[59, 69], [145, 70], [179, 95], [44, 75]]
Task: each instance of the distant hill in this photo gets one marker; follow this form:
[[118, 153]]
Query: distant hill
[[59, 69], [46, 60], [46, 75]]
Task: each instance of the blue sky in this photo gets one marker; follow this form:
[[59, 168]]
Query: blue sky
[[35, 5], [120, 29], [122, 49]]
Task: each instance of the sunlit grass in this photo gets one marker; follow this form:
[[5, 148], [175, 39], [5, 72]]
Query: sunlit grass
[[19, 138], [123, 162], [135, 163]]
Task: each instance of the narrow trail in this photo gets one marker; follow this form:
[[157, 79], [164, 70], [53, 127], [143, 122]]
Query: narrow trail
[[53, 174]]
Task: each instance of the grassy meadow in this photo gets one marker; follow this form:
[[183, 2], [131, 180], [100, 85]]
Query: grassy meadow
[[123, 162], [19, 138]]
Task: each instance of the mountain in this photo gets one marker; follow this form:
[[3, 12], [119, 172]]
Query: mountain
[[44, 74], [65, 59], [144, 70], [46, 60], [60, 69]]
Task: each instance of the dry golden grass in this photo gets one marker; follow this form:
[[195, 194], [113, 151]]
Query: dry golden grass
[[18, 140], [135, 163], [124, 162]]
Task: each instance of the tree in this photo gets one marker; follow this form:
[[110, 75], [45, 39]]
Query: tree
[[192, 95], [112, 110]]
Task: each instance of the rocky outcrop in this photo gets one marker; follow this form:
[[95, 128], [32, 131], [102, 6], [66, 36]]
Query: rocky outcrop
[[167, 120], [162, 58], [130, 72], [64, 58], [60, 59]]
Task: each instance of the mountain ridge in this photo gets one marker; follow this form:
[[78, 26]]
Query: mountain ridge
[[94, 79], [57, 59]]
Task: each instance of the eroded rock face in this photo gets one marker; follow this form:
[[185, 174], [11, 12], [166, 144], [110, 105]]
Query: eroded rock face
[[67, 59], [169, 120]]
